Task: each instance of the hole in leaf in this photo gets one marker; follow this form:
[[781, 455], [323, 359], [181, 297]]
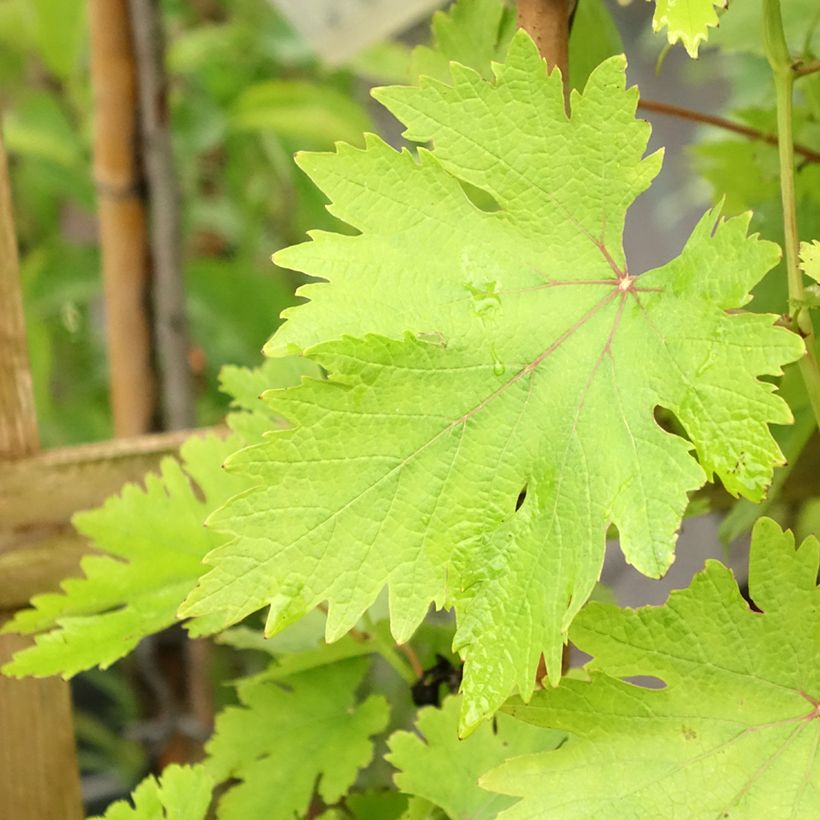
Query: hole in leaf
[[667, 420], [521, 497], [645, 681], [482, 200]]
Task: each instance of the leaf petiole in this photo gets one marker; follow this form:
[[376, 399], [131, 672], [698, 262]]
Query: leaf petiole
[[777, 53]]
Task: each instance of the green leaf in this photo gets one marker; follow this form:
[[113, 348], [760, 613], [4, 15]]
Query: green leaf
[[513, 352], [59, 31], [285, 737], [181, 793], [810, 259], [434, 764], [471, 32], [734, 733], [39, 128], [153, 540], [687, 21], [306, 113], [376, 805], [593, 37]]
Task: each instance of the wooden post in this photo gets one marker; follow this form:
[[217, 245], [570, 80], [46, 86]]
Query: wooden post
[[39, 779], [123, 224]]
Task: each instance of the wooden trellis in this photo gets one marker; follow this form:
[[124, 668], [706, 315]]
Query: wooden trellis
[[40, 491]]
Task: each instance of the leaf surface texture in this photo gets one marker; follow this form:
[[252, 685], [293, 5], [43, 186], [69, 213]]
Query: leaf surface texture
[[493, 374], [735, 731]]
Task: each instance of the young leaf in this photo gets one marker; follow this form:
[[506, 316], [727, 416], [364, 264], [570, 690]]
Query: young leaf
[[421, 758], [810, 259], [734, 732], [283, 738], [181, 793], [478, 460], [471, 32], [687, 20], [154, 541]]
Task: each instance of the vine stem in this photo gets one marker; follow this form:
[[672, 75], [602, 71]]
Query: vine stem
[[802, 69], [390, 652], [668, 109], [777, 52]]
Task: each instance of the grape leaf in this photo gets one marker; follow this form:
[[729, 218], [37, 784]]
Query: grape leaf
[[153, 542], [493, 376], [436, 765], [285, 737], [470, 32], [181, 793], [734, 733], [810, 259], [477, 32], [687, 21]]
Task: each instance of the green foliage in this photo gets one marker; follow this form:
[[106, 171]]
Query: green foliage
[[421, 758], [687, 21], [180, 793], [473, 34], [518, 375], [741, 27], [234, 128], [483, 394], [153, 543], [733, 733], [810, 259], [283, 738]]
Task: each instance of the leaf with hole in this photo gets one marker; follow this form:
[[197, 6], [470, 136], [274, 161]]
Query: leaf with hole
[[735, 731], [493, 374]]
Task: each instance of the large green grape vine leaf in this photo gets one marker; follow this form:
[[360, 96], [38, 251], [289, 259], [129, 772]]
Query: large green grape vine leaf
[[181, 793], [285, 737], [152, 541], [493, 375], [434, 764], [734, 733]]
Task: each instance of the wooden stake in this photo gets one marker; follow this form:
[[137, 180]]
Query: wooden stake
[[38, 763], [123, 227]]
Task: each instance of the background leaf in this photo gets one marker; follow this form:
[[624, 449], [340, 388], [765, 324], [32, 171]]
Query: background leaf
[[735, 730]]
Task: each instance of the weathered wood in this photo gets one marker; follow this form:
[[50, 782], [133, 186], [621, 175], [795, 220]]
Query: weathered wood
[[123, 226], [18, 419], [38, 763], [39, 779]]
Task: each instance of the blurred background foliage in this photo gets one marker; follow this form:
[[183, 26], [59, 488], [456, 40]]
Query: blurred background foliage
[[245, 93]]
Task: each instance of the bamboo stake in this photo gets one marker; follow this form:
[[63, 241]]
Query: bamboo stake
[[123, 233], [38, 763]]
